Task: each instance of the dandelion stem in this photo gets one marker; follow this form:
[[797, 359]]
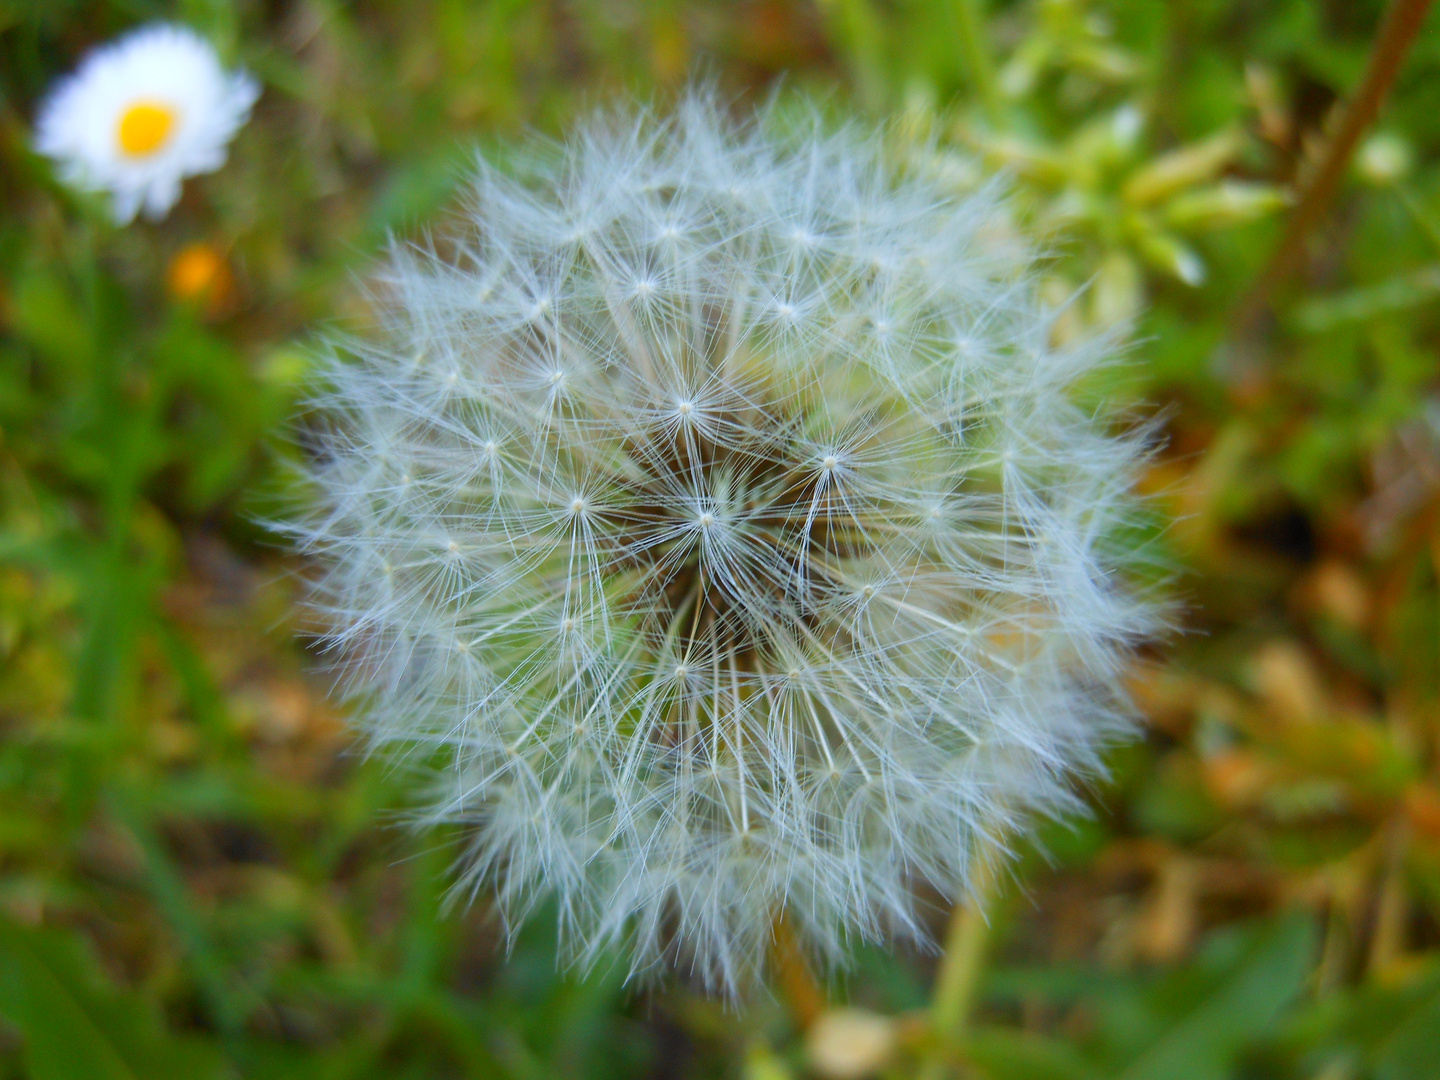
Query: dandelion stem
[[956, 981]]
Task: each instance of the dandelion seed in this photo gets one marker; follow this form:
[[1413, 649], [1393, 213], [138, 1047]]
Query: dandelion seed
[[143, 113], [832, 606]]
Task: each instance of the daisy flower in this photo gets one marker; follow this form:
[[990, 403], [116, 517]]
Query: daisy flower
[[143, 113], [712, 520]]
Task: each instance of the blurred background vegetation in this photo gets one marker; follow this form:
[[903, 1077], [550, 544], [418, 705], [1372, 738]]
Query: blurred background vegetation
[[199, 878]]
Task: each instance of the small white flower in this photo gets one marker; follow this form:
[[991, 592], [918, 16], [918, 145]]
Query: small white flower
[[143, 113], [753, 590]]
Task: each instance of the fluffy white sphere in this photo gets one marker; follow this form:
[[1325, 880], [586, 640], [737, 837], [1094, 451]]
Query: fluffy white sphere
[[714, 519], [143, 113]]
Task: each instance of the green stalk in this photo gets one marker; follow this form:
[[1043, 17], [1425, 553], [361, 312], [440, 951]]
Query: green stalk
[[862, 35], [1399, 30], [958, 977], [968, 18]]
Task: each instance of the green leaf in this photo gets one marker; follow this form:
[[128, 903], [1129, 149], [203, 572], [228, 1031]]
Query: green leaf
[[1395, 1030], [1016, 1055], [75, 1026], [1320, 314], [1206, 1040], [1412, 1050]]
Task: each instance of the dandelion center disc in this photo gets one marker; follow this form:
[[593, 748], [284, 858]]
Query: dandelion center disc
[[145, 127]]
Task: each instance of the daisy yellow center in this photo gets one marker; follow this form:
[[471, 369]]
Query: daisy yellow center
[[145, 127]]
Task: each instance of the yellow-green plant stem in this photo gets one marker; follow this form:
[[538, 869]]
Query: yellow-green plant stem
[[968, 17], [958, 976], [802, 994], [862, 35]]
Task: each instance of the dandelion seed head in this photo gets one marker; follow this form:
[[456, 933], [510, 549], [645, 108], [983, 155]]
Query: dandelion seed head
[[757, 557]]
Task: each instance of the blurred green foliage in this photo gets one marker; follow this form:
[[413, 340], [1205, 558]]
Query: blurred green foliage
[[199, 879]]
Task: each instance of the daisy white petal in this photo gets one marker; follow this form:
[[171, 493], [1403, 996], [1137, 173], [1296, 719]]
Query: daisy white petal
[[141, 114]]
